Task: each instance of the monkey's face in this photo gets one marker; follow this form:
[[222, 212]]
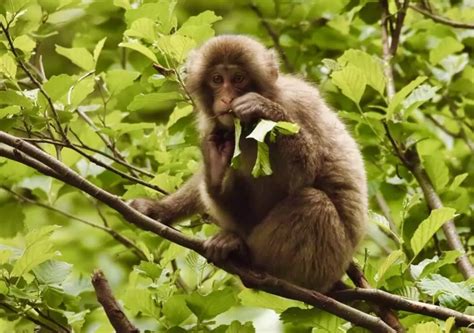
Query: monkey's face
[[227, 82]]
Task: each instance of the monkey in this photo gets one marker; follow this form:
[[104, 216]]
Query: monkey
[[303, 222]]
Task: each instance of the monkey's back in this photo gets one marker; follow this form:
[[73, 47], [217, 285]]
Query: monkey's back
[[340, 169]]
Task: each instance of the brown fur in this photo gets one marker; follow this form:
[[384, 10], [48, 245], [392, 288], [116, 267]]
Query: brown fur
[[302, 223]]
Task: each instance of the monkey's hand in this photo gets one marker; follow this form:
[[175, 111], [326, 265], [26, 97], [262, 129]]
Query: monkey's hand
[[148, 207], [225, 244], [253, 106], [218, 151]]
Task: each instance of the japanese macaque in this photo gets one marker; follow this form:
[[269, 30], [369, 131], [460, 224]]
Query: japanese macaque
[[303, 222]]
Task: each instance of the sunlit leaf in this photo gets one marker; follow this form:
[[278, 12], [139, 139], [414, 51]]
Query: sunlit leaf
[[429, 226], [78, 55]]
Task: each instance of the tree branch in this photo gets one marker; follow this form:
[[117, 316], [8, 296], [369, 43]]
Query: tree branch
[[112, 309], [411, 160], [441, 19], [385, 313], [261, 281], [379, 296], [30, 155]]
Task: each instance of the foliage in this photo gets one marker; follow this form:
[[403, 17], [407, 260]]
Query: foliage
[[127, 120]]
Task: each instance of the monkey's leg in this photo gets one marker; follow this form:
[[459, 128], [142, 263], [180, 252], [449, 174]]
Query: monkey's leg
[[184, 202], [225, 243], [303, 241]]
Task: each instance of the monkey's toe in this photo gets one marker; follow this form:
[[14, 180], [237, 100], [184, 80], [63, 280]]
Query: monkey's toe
[[222, 245]]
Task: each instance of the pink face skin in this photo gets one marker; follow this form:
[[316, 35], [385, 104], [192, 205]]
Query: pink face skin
[[227, 83]]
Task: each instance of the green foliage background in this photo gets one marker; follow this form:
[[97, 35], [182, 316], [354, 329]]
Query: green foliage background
[[94, 59]]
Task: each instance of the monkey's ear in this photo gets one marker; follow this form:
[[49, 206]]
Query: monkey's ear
[[273, 63]]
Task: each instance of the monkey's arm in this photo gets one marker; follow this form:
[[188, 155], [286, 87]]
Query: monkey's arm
[[184, 202], [295, 151]]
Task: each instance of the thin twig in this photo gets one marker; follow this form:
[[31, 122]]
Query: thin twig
[[441, 19], [274, 36], [97, 151], [112, 309], [34, 80], [398, 27]]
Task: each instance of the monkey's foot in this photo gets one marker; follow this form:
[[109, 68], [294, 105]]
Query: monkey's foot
[[224, 244]]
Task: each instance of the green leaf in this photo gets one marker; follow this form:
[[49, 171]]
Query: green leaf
[[237, 327], [176, 46], [119, 79], [58, 86], [98, 49], [81, 90], [143, 301], [8, 66], [199, 27], [78, 56], [261, 130], [162, 11], [52, 271], [260, 299], [446, 46], [9, 111], [429, 226], [24, 43], [370, 66], [179, 113], [141, 49], [449, 324], [389, 262], [153, 100], [142, 28], [402, 94], [321, 320], [428, 266], [437, 171], [13, 219], [235, 162], [11, 97], [429, 327], [39, 248], [287, 128], [175, 309], [351, 80], [436, 285], [457, 181], [209, 306], [262, 165]]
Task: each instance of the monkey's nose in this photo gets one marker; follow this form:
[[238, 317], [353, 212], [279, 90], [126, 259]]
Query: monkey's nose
[[226, 100]]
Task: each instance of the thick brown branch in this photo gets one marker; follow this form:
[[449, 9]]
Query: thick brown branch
[[112, 309], [411, 160], [400, 303], [441, 19], [261, 281]]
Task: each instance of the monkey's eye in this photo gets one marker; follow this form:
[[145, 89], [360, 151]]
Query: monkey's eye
[[238, 78], [216, 78]]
